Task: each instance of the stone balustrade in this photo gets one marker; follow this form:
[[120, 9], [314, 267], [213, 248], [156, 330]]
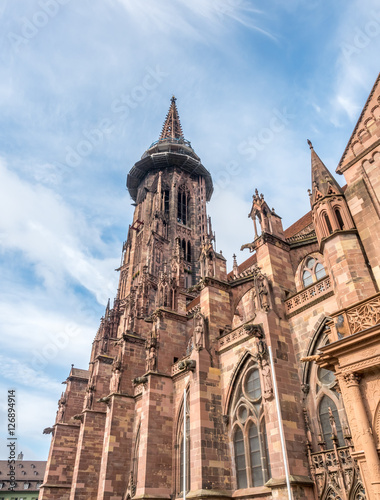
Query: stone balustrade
[[306, 297]]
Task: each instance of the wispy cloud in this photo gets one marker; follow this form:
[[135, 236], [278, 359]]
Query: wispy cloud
[[52, 237]]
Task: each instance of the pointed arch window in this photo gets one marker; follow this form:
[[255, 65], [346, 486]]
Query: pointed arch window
[[248, 430], [323, 400], [180, 443], [183, 205], [328, 224], [165, 196], [255, 453], [339, 219], [241, 468]]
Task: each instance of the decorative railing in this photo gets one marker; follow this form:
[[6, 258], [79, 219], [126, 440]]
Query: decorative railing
[[309, 295], [355, 319], [172, 140], [239, 334]]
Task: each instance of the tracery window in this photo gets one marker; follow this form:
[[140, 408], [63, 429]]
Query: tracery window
[[248, 430], [325, 405], [312, 271]]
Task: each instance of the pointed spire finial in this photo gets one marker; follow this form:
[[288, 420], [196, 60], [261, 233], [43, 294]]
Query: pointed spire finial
[[172, 128], [310, 144], [322, 182]]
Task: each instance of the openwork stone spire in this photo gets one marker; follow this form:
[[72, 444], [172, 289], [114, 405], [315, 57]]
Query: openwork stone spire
[[172, 127]]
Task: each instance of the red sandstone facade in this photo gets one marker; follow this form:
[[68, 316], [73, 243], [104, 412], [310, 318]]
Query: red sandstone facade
[[299, 319]]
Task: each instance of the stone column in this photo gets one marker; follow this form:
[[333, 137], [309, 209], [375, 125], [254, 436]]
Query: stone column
[[362, 433]]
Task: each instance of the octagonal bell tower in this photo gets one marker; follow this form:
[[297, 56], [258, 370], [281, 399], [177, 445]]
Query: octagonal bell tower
[[170, 188]]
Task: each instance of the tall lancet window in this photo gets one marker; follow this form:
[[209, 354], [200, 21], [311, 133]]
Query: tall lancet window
[[135, 465], [165, 197], [183, 213], [248, 431], [180, 446]]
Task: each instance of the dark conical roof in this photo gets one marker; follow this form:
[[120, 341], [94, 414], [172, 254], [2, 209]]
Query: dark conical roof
[[322, 182]]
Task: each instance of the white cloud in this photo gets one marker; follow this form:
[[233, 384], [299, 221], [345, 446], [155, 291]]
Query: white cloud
[[55, 239]]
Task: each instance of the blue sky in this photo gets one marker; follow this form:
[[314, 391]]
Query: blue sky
[[84, 89]]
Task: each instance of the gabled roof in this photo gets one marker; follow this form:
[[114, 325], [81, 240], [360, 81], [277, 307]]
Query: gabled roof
[[25, 470], [362, 138], [299, 225]]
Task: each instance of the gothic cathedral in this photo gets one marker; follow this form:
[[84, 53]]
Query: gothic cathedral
[[258, 383]]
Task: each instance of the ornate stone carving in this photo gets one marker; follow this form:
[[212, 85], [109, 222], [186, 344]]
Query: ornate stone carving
[[187, 364], [335, 474], [351, 378], [364, 316]]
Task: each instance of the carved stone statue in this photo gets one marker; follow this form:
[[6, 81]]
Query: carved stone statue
[[332, 424], [199, 331], [151, 359], [104, 347], [61, 410], [115, 380], [263, 293], [210, 267], [267, 379], [151, 351], [88, 399]]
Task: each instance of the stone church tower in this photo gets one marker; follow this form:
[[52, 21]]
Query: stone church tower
[[258, 383]]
